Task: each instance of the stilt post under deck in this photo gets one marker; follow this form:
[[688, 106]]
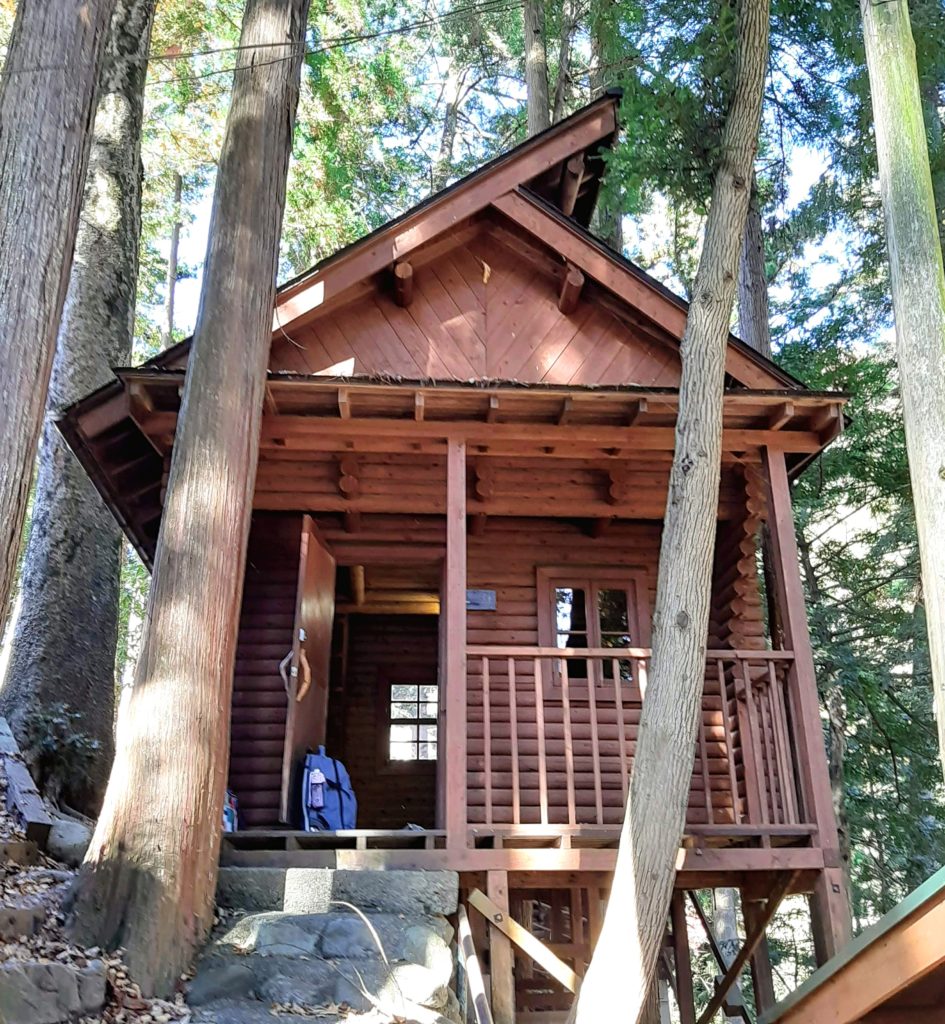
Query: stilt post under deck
[[830, 910], [453, 648], [501, 955]]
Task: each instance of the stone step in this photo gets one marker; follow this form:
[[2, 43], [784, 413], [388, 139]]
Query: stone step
[[399, 988], [315, 890], [38, 993], [22, 852], [19, 921]]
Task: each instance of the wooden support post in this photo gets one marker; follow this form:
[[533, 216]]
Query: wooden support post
[[501, 957], [571, 287], [754, 936], [572, 174], [761, 977], [829, 908], [453, 634], [403, 283], [684, 994]]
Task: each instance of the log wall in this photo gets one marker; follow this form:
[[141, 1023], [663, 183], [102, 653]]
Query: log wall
[[267, 619], [382, 649]]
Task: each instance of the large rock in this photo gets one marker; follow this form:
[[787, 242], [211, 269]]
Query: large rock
[[68, 840], [33, 993], [318, 890]]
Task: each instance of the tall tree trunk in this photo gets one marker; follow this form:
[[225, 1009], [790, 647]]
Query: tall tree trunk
[[172, 263], [608, 215], [563, 78], [725, 925], [47, 99], [149, 876], [624, 962], [918, 293], [754, 325], [537, 104], [64, 645], [443, 166]]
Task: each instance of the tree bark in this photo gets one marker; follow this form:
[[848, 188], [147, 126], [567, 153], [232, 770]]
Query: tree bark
[[918, 293], [563, 78], [47, 99], [609, 217], [149, 877], [754, 326], [725, 925], [63, 649], [443, 166], [624, 962], [172, 264], [538, 106]]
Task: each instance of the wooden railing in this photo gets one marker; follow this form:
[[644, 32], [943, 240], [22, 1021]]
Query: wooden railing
[[552, 735]]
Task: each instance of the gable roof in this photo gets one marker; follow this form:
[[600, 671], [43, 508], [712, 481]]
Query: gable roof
[[548, 187]]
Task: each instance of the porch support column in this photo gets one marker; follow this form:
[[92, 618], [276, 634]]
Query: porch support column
[[829, 907], [453, 632]]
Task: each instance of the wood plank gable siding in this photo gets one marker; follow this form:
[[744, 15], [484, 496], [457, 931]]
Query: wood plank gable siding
[[480, 310], [267, 619], [506, 559]]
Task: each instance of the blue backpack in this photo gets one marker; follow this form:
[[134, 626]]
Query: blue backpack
[[328, 801]]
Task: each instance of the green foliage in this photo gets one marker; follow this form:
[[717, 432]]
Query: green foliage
[[57, 750]]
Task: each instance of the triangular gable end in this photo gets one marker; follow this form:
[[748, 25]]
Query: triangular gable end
[[474, 312]]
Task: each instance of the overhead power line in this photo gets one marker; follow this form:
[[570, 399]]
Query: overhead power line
[[326, 45]]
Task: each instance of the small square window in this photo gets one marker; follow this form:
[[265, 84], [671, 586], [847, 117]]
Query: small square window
[[412, 722]]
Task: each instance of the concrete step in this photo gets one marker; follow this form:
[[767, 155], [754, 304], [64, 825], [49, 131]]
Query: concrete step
[[317, 890], [338, 934]]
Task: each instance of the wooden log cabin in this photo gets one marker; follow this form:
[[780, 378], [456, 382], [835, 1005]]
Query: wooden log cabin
[[467, 436]]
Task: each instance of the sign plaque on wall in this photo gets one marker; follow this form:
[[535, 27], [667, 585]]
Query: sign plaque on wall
[[480, 600]]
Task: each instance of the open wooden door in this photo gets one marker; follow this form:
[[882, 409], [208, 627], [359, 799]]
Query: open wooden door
[[306, 672]]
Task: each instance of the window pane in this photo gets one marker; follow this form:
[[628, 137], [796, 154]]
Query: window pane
[[401, 709], [429, 693], [571, 609], [612, 610], [427, 751], [403, 733], [403, 751], [428, 710], [427, 732], [403, 692], [615, 640]]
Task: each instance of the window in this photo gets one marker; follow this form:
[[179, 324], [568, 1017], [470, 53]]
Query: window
[[412, 714], [592, 608]]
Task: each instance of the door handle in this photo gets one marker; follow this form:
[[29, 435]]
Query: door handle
[[283, 666]]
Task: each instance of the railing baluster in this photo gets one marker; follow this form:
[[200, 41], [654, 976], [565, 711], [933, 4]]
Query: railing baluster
[[568, 745], [487, 737], [768, 753], [621, 732], [595, 746], [781, 746], [751, 751], [513, 725], [703, 759], [540, 723], [729, 744], [641, 677]]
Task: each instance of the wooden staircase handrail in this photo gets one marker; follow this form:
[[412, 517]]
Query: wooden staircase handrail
[[472, 970]]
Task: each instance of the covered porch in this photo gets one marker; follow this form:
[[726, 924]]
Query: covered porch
[[475, 509]]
